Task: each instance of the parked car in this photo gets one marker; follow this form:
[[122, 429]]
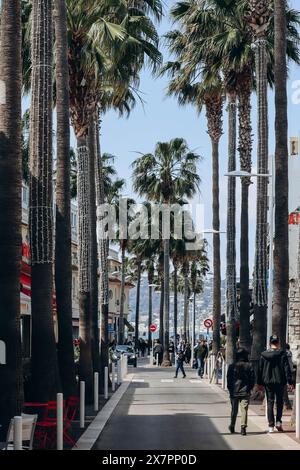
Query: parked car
[[128, 351]]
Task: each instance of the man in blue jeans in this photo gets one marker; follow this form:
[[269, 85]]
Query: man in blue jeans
[[201, 353], [179, 364]]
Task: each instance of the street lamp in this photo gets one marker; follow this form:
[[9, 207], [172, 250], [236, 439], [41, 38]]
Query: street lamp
[[241, 174]]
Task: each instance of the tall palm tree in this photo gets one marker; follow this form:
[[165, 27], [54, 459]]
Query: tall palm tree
[[10, 208], [107, 35], [63, 268], [44, 357], [281, 240], [231, 306], [168, 174], [258, 18]]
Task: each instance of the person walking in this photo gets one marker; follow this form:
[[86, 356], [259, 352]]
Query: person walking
[[172, 351], [240, 382], [158, 352], [201, 353], [187, 353], [273, 374], [180, 357]]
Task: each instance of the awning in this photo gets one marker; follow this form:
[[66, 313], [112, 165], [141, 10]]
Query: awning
[[129, 325]]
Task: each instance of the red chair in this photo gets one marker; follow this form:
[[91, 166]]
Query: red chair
[[41, 410], [69, 416], [47, 428]]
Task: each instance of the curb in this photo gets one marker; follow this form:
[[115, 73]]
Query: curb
[[92, 433]]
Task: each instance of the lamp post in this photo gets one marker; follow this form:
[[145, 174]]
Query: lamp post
[[241, 174]]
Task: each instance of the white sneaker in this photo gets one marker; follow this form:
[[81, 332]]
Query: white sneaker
[[271, 430], [279, 426]]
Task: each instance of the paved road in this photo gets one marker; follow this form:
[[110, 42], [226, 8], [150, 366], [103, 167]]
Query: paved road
[[162, 413]]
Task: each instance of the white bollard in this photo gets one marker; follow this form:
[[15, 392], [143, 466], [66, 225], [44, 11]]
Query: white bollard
[[18, 433], [208, 367], [156, 360], [96, 391], [297, 411], [119, 379], [106, 383], [60, 421], [126, 366], [223, 374], [82, 404], [113, 377]]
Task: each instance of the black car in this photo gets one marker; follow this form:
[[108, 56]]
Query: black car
[[128, 351]]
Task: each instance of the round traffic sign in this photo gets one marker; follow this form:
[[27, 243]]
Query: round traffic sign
[[153, 328], [208, 323]]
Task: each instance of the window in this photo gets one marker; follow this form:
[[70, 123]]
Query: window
[[25, 196], [110, 294]]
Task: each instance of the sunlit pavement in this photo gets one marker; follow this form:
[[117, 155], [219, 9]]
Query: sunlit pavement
[[160, 412]]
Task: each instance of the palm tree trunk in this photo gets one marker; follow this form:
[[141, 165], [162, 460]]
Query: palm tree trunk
[[245, 150], [103, 244], [137, 307], [44, 365], [281, 240], [194, 321], [216, 249], [175, 303], [84, 258], [63, 267], [186, 304], [161, 311], [149, 318], [93, 246], [11, 379], [166, 359], [231, 307], [122, 301], [260, 269]]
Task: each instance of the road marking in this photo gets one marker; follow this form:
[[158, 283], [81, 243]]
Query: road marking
[[195, 381], [167, 380], [138, 380]]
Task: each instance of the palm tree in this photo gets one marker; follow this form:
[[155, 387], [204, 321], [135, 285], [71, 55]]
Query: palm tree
[[231, 306], [44, 357], [168, 174], [10, 209], [258, 18], [281, 240], [63, 268]]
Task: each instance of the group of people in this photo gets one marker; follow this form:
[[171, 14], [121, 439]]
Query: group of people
[[274, 375]]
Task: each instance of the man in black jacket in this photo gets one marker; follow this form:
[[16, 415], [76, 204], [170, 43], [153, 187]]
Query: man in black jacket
[[240, 381], [274, 373]]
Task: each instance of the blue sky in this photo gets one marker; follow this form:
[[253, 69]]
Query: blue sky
[[162, 119]]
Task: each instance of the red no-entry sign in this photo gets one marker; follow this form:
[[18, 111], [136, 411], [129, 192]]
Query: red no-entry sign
[[153, 328], [208, 323]]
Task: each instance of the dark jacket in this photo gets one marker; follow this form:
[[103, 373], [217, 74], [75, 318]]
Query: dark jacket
[[180, 357], [201, 352], [274, 368], [158, 349], [240, 379]]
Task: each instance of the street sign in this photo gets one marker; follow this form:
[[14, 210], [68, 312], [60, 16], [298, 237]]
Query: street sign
[[208, 323], [110, 328], [153, 328]]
